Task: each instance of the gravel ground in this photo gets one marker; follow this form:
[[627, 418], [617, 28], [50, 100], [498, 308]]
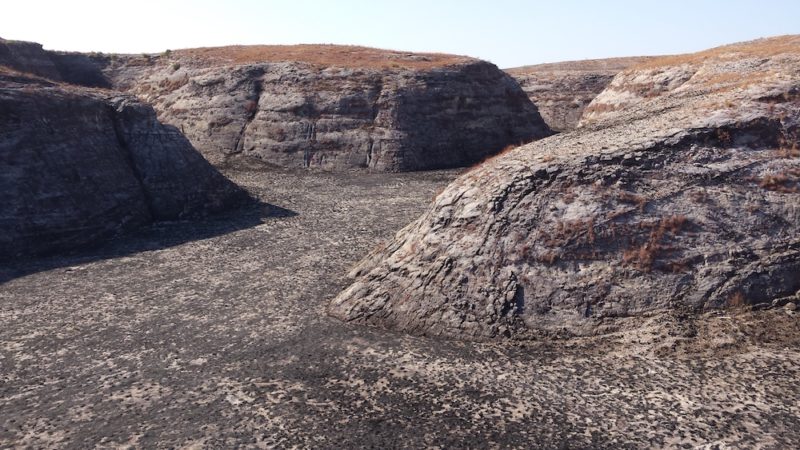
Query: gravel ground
[[213, 334]]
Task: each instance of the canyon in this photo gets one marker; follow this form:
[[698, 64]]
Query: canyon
[[561, 91], [200, 249]]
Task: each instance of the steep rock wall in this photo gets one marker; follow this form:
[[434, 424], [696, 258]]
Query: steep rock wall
[[561, 91], [79, 165], [386, 111]]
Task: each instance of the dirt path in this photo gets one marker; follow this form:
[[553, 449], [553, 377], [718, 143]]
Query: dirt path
[[213, 334]]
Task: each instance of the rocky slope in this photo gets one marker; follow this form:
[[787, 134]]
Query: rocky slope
[[679, 193], [78, 165], [332, 107], [562, 90]]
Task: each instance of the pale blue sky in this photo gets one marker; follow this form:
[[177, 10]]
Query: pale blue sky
[[507, 32]]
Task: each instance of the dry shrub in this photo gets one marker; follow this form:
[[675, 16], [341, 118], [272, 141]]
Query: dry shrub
[[786, 182], [737, 300], [699, 196], [643, 256], [548, 257], [634, 199], [571, 230], [724, 136]]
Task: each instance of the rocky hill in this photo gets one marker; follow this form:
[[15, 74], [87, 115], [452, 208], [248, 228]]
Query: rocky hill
[[562, 90], [678, 194], [333, 107], [78, 165]]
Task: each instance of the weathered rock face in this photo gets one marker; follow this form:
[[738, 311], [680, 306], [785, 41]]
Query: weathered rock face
[[561, 91], [28, 57], [684, 199], [78, 165], [333, 107], [31, 58]]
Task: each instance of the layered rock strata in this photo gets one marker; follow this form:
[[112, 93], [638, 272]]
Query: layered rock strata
[[561, 91], [78, 165], [332, 107], [679, 193]]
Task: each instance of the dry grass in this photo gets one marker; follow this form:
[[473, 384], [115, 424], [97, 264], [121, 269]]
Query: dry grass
[[321, 55], [737, 300], [761, 48], [634, 199], [571, 232], [585, 65], [786, 182], [643, 256], [507, 149]]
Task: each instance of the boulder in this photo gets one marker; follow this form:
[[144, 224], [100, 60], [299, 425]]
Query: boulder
[[678, 193]]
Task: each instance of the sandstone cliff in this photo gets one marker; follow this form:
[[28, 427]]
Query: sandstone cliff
[[680, 193], [332, 107], [78, 165], [561, 91]]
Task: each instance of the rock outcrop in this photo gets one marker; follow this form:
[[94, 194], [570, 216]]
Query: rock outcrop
[[680, 193], [28, 57], [561, 91], [332, 107], [78, 165]]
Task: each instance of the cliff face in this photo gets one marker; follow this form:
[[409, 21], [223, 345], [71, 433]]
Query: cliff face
[[28, 57], [562, 91], [679, 193], [333, 107], [78, 165]]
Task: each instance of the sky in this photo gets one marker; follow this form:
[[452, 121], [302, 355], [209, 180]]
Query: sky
[[509, 33]]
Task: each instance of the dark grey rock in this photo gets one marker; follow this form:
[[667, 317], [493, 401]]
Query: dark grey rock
[[79, 165]]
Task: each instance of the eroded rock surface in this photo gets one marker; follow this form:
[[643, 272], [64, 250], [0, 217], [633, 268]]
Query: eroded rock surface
[[333, 107], [78, 165], [561, 91], [682, 195]]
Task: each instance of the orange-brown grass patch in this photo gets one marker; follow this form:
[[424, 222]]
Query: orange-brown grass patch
[[322, 55], [584, 65], [761, 48], [631, 198], [786, 182], [505, 150], [571, 230], [643, 256]]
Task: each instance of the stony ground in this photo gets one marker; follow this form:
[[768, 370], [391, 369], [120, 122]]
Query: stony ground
[[213, 335]]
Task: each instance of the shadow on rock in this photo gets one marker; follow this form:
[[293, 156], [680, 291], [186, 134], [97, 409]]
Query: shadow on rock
[[157, 236]]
